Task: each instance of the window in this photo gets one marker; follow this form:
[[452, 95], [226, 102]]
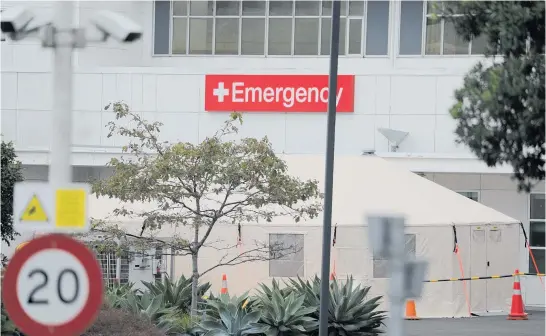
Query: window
[[269, 27], [473, 195], [381, 266], [287, 255], [537, 223], [108, 262], [423, 30]]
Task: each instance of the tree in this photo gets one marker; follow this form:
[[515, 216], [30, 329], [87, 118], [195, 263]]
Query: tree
[[500, 108], [11, 173], [217, 181]]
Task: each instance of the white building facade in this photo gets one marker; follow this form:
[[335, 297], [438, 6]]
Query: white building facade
[[400, 65]]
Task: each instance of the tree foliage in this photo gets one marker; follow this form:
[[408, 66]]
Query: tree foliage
[[11, 173], [500, 108], [198, 186]]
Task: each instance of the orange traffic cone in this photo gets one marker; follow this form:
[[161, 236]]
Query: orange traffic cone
[[224, 285], [517, 311], [411, 312]]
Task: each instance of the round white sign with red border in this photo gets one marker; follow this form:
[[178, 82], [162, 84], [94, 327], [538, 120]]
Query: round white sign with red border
[[53, 286]]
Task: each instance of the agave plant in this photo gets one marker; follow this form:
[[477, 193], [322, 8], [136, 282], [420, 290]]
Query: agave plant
[[176, 294], [174, 323], [114, 295], [310, 291], [285, 315], [214, 303], [147, 305], [226, 317], [349, 312]]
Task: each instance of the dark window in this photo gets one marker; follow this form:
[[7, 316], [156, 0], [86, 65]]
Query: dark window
[[411, 27]]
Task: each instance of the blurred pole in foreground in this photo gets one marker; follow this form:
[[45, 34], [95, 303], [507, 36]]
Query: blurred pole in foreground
[[387, 239]]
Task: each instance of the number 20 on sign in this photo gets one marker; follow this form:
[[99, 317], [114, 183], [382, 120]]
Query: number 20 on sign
[[53, 286]]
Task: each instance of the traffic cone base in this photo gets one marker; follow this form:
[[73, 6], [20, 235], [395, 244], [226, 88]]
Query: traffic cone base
[[411, 312], [517, 310], [518, 318]]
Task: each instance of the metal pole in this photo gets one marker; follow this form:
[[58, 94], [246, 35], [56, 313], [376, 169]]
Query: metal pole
[[396, 321], [329, 179], [60, 169]]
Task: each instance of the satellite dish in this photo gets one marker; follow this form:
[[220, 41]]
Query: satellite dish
[[395, 137]]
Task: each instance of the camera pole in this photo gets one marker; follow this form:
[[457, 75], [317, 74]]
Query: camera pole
[[60, 171]]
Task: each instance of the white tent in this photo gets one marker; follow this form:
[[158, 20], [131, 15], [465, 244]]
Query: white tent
[[488, 240]]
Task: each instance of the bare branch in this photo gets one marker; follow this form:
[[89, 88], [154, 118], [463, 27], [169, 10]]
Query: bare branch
[[262, 252]]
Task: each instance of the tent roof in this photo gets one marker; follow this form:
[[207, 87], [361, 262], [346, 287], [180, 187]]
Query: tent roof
[[368, 185]]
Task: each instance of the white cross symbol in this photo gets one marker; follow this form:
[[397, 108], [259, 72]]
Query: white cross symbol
[[220, 92]]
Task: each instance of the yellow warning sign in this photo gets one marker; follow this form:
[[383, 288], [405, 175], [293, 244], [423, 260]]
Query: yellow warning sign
[[70, 208], [34, 211]]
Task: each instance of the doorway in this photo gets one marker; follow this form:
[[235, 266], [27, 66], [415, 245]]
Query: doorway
[[490, 257]]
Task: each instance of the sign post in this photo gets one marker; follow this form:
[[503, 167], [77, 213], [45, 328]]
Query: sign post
[[387, 239], [53, 286], [43, 207]]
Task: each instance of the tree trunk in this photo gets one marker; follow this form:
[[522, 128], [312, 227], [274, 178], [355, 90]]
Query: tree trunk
[[194, 284]]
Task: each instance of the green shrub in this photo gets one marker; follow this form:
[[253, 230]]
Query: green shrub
[[349, 313], [178, 324], [285, 315], [288, 311], [8, 327], [115, 322], [176, 294], [147, 306], [115, 294], [225, 316]]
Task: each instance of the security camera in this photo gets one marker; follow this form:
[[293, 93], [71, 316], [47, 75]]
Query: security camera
[[117, 26], [15, 20]]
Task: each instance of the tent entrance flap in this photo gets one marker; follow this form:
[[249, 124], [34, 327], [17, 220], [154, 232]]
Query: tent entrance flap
[[493, 252], [498, 258]]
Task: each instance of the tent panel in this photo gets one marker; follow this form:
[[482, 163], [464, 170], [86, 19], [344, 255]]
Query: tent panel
[[461, 263], [435, 245]]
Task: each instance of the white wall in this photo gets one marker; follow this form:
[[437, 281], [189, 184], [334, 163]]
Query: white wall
[[389, 98], [412, 94]]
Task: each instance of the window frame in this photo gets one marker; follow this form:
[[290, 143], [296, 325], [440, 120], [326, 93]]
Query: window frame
[[424, 37], [303, 235], [266, 17], [531, 247]]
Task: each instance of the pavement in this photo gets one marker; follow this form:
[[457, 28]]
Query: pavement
[[477, 326]]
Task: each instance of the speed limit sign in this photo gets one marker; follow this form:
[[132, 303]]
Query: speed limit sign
[[53, 286]]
